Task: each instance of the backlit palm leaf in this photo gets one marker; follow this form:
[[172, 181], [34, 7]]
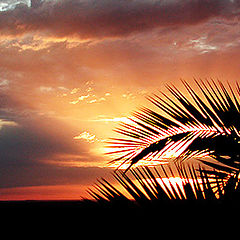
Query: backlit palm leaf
[[168, 182], [206, 122]]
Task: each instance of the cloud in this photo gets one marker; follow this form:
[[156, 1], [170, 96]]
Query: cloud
[[43, 175], [40, 152], [34, 140], [90, 97], [33, 147], [74, 90], [107, 119], [110, 18], [46, 89], [7, 123], [97, 100], [81, 98], [89, 137], [3, 82], [6, 5]]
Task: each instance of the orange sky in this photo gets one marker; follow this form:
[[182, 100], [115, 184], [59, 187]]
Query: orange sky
[[71, 70]]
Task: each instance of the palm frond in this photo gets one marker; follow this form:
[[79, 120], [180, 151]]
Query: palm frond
[[206, 122], [171, 183]]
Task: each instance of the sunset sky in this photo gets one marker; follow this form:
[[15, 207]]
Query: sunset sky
[[71, 70]]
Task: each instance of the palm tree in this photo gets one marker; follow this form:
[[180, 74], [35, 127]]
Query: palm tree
[[204, 124], [174, 183]]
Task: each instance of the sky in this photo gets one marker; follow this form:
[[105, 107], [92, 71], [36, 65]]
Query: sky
[[72, 70]]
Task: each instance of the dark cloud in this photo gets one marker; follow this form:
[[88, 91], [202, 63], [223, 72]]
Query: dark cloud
[[26, 149], [110, 18], [28, 144], [42, 175]]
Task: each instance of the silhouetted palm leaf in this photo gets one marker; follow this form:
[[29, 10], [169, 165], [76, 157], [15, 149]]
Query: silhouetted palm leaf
[[172, 183], [204, 123]]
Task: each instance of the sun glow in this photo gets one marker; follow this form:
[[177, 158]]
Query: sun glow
[[172, 184]]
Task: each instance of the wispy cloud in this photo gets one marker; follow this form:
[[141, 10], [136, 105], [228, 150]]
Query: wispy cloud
[[74, 90], [7, 123], [107, 119], [90, 96], [79, 99], [6, 5], [97, 100], [128, 96], [46, 89]]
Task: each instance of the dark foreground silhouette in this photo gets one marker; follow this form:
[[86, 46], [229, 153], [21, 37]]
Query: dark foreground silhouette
[[111, 211], [91, 219]]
